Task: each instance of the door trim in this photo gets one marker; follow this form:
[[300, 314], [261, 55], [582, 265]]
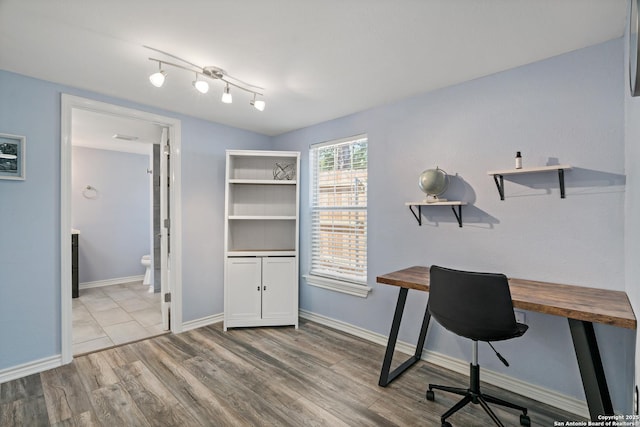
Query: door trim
[[68, 103]]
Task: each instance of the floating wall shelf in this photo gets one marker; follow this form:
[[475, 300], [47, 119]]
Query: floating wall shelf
[[498, 176], [453, 205]]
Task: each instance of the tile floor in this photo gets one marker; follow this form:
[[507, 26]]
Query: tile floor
[[114, 315]]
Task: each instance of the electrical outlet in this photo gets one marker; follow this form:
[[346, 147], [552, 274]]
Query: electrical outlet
[[520, 316]]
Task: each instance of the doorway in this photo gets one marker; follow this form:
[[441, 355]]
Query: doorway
[[168, 146]]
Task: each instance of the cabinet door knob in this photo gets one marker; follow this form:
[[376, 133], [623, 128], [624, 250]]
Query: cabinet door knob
[[258, 288], [264, 288]]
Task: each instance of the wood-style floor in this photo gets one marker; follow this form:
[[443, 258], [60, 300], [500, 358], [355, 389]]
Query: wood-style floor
[[244, 377]]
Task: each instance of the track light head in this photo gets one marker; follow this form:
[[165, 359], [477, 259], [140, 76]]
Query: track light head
[[200, 85], [258, 104], [157, 78], [226, 96]]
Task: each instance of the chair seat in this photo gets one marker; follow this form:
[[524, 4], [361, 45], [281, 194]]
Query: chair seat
[[492, 335]]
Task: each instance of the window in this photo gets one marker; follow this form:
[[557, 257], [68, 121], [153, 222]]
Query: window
[[339, 215]]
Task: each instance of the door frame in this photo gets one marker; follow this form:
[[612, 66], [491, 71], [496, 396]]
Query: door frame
[[68, 104]]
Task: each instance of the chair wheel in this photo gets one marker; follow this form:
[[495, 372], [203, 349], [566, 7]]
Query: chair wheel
[[525, 420], [446, 424], [431, 395]]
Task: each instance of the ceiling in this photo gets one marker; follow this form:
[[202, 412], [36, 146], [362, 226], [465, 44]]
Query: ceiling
[[317, 60]]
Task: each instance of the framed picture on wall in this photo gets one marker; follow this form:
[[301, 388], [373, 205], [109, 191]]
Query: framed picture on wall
[[12, 156]]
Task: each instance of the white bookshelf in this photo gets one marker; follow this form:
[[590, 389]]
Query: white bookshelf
[[261, 238]]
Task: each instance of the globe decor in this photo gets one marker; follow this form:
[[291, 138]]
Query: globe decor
[[433, 182]]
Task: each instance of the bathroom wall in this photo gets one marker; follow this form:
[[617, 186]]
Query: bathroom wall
[[115, 225]]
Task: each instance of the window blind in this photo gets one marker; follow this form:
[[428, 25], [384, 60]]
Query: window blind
[[339, 210]]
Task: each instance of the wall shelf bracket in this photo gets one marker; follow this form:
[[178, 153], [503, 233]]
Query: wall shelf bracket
[[458, 215], [499, 179], [418, 216], [561, 181]]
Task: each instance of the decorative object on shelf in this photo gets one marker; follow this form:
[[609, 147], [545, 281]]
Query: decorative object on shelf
[[433, 182], [284, 171], [498, 176], [12, 157], [518, 160], [211, 72]]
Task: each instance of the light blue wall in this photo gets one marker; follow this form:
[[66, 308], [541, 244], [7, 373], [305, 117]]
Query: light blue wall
[[30, 223], [30, 216], [115, 225], [567, 108], [203, 168]]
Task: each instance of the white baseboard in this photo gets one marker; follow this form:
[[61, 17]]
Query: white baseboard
[[203, 321], [532, 391], [109, 282], [30, 368]]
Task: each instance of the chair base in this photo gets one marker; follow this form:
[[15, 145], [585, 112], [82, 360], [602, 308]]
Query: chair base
[[474, 395]]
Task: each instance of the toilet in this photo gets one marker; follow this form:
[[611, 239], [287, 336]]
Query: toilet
[[146, 262]]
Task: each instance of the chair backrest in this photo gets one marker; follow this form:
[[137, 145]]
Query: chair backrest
[[474, 305]]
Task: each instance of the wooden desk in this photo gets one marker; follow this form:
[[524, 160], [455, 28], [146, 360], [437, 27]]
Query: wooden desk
[[581, 306]]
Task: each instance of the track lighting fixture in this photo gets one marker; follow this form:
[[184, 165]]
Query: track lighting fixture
[[214, 73], [157, 79]]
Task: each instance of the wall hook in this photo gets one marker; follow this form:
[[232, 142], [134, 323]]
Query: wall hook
[[90, 192]]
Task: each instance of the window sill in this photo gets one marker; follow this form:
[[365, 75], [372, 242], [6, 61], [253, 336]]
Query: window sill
[[361, 291]]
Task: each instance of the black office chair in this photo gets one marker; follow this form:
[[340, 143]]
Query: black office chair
[[477, 306]]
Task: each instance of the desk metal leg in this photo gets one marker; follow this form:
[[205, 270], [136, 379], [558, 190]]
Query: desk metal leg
[[387, 377], [593, 378]]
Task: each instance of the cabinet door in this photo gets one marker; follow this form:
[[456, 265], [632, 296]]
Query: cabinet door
[[243, 288], [278, 287]]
